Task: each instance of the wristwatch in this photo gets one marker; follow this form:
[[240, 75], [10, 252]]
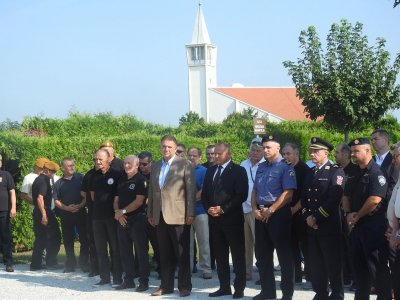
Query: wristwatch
[[123, 211]]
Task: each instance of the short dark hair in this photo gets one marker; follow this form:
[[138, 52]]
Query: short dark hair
[[293, 146], [345, 148], [382, 132], [210, 146], [198, 150], [181, 145], [168, 137], [226, 145], [144, 154]]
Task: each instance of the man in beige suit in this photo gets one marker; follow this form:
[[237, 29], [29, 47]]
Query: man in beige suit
[[171, 209]]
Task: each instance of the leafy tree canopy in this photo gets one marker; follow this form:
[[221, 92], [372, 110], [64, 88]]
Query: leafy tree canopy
[[349, 85]]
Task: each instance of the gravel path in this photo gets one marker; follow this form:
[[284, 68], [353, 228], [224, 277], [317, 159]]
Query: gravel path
[[55, 285]]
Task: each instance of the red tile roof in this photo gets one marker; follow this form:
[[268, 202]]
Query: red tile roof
[[280, 101]]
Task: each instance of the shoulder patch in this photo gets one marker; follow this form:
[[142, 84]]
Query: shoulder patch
[[291, 173], [327, 167], [339, 180], [381, 180]]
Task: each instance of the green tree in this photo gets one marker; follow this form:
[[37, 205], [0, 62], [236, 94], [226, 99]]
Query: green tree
[[350, 84]]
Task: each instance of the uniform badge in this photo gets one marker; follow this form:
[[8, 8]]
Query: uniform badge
[[339, 180], [110, 181], [145, 184], [327, 167], [356, 142], [1, 179], [381, 180], [132, 186], [314, 140], [291, 173]]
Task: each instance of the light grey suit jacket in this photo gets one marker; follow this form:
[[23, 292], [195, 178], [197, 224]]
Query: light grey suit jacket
[[176, 198]]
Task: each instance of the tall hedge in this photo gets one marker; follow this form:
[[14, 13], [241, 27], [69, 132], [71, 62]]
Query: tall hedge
[[79, 135]]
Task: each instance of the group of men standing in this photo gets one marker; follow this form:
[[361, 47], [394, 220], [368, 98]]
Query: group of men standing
[[332, 217]]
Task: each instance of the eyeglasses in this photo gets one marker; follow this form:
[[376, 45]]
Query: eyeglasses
[[144, 164]]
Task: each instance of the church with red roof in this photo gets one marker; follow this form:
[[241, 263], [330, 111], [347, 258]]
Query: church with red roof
[[214, 103]]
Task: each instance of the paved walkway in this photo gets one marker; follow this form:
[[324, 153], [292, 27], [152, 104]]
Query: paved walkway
[[24, 284]]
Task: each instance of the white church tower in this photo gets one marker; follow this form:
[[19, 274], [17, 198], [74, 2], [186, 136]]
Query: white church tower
[[201, 58]]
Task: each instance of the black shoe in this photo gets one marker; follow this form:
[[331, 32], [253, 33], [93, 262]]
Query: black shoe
[[69, 270], [194, 269], [92, 274], [10, 269], [85, 269], [54, 267], [238, 295], [101, 283], [116, 282], [220, 293], [34, 268], [261, 297], [142, 287], [125, 285], [184, 293]]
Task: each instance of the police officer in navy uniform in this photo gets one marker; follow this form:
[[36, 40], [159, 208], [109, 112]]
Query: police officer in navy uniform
[[272, 192], [363, 203], [320, 200]]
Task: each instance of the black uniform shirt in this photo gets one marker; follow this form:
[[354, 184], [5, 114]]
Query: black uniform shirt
[[128, 189], [6, 184], [369, 182], [68, 191], [301, 169], [322, 193], [41, 186], [104, 187]]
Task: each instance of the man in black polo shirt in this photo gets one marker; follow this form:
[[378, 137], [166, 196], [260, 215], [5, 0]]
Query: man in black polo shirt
[[116, 163], [103, 187], [7, 213], [85, 192], [363, 204], [129, 207], [68, 199], [45, 226]]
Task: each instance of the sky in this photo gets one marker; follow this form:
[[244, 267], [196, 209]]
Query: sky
[[126, 56]]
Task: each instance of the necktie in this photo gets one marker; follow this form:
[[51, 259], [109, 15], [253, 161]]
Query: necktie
[[217, 176]]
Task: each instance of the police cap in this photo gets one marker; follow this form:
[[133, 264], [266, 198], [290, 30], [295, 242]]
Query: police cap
[[270, 138], [317, 143], [359, 141]]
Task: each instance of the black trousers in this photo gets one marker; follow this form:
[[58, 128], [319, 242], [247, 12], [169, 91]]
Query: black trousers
[[46, 237], [152, 238], [326, 264], [105, 232], [299, 247], [225, 237], [394, 264], [68, 223], [134, 233], [174, 243], [93, 262], [370, 255], [275, 234], [5, 237]]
